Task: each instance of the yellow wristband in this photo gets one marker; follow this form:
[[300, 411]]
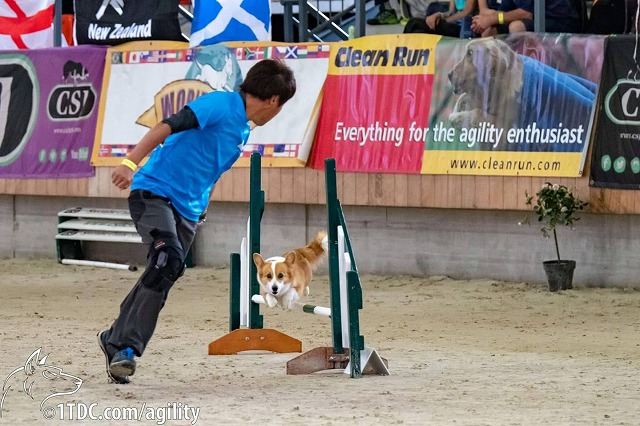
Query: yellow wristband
[[130, 164], [500, 18]]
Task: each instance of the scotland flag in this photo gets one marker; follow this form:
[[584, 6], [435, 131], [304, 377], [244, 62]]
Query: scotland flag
[[216, 21]]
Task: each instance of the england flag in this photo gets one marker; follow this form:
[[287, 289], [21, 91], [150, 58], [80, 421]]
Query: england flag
[[216, 21], [26, 24]]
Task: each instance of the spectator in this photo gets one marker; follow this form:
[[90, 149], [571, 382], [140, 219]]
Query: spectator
[[394, 12], [419, 8], [612, 16], [455, 22], [561, 16], [386, 15], [512, 16]]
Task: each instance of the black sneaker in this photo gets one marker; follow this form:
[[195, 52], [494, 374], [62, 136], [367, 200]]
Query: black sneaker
[[123, 363], [102, 341], [385, 17]]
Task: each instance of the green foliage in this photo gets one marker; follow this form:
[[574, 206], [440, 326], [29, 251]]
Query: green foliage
[[555, 205]]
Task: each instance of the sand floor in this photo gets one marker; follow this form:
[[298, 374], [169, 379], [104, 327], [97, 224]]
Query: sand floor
[[473, 352]]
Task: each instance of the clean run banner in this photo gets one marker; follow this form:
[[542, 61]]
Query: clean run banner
[[48, 111], [516, 106], [375, 104], [615, 161], [413, 103]]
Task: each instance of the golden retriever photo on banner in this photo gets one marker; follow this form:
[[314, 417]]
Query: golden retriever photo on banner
[[493, 86]]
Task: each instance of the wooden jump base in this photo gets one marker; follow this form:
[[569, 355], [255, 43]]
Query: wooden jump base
[[324, 358], [254, 339]]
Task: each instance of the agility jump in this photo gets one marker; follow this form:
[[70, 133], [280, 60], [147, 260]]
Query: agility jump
[[304, 307], [246, 330]]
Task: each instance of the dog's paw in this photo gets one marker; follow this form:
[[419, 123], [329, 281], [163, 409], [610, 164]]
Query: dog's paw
[[461, 119], [456, 119], [271, 301], [462, 104], [466, 119], [288, 300]]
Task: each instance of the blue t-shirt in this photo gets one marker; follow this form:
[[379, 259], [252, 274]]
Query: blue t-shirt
[[187, 165]]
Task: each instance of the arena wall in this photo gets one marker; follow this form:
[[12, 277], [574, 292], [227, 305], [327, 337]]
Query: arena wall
[[460, 243]]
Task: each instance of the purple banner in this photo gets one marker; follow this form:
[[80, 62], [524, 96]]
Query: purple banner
[[48, 111]]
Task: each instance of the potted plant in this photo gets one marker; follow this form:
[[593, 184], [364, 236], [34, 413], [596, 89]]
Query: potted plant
[[556, 205]]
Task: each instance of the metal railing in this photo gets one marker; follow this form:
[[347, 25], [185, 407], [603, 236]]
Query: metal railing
[[57, 24], [331, 16], [538, 16]]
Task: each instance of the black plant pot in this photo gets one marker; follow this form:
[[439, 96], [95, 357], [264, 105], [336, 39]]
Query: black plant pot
[[559, 274]]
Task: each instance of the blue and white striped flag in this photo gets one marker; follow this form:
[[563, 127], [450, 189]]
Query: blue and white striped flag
[[216, 21]]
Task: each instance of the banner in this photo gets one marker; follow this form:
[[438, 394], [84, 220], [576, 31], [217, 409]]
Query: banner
[[615, 161], [423, 104], [286, 140], [113, 22], [26, 24], [215, 21], [144, 85], [520, 106], [375, 106], [48, 111]]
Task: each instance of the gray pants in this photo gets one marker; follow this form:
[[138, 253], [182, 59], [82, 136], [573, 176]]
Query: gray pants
[[152, 215]]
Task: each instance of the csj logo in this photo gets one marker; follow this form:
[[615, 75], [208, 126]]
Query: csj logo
[[622, 103], [19, 94], [72, 101]]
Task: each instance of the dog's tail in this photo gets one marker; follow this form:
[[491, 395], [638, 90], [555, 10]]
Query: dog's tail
[[316, 249]]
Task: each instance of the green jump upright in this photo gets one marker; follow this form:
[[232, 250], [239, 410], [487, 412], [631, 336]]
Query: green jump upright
[[253, 336]]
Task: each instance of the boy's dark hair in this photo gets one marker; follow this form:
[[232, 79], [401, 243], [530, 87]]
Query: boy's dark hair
[[270, 77]]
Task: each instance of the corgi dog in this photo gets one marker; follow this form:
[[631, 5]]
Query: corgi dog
[[283, 279]]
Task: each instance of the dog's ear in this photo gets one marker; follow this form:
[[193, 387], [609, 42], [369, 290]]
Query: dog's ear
[[290, 258], [505, 57], [258, 260]]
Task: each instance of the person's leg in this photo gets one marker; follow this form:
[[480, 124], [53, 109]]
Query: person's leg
[[553, 25], [417, 25], [400, 8], [448, 29], [465, 27], [386, 16], [380, 4], [169, 237], [500, 29], [490, 32], [520, 26], [437, 6]]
